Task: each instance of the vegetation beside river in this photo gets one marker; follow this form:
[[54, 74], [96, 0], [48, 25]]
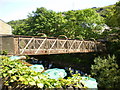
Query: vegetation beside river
[[102, 24]]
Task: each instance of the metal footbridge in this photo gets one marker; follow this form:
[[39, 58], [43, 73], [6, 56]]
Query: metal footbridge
[[34, 45]]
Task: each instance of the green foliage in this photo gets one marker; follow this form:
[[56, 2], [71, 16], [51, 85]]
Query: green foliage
[[86, 23], [113, 48], [18, 75], [106, 12], [74, 24], [116, 16], [3, 52], [19, 26], [44, 21], [111, 14], [106, 71]]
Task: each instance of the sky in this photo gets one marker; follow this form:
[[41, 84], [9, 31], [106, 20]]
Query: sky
[[19, 9]]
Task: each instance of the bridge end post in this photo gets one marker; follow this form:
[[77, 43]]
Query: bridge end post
[[7, 44]]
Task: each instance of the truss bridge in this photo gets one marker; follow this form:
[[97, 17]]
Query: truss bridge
[[33, 45]]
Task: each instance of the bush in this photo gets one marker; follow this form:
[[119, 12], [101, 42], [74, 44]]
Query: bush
[[106, 72], [17, 75]]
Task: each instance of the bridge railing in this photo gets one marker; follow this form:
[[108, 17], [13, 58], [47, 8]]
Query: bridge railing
[[38, 45]]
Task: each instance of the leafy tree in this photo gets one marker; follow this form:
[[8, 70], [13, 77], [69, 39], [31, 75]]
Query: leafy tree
[[74, 24], [116, 16], [44, 21], [112, 19], [20, 27], [107, 72], [85, 23], [111, 14], [106, 12]]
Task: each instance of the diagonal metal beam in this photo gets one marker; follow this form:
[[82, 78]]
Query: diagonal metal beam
[[72, 44], [80, 44], [53, 43], [64, 43], [27, 45], [40, 45]]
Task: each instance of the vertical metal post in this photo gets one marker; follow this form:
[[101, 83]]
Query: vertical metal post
[[0, 44]]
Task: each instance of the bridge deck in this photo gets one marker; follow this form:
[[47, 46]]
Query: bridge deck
[[29, 45]]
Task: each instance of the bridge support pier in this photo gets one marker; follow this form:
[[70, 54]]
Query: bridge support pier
[[7, 44]]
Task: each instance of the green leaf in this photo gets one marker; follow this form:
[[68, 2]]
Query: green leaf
[[14, 78], [10, 71], [40, 85], [32, 83], [4, 74], [21, 78]]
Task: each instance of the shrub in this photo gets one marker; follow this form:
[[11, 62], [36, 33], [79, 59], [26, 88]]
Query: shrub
[[18, 75], [106, 72]]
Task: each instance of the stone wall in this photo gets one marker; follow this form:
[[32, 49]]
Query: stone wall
[[5, 28], [7, 44]]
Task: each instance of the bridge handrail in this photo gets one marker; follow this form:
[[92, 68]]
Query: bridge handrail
[[63, 36], [46, 45]]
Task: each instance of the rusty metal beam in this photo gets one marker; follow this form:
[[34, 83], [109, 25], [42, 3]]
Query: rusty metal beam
[[40, 46]]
